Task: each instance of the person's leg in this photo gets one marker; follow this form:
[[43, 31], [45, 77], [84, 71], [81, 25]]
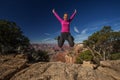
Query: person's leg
[[70, 40], [60, 41]]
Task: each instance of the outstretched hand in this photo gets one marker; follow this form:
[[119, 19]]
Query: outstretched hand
[[75, 10], [53, 10]]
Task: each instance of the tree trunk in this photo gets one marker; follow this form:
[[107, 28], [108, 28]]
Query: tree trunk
[[91, 51], [104, 56]]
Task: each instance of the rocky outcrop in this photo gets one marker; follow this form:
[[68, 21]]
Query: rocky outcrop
[[109, 70], [10, 65], [69, 55], [15, 67]]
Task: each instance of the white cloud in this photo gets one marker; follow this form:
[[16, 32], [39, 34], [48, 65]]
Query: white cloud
[[47, 34], [116, 24], [84, 31], [93, 28], [76, 30], [80, 38], [48, 40]]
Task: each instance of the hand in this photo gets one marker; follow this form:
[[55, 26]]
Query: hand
[[53, 10], [75, 10]]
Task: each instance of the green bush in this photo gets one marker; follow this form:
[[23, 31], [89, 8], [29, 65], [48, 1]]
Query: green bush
[[41, 56], [84, 56], [79, 60], [115, 56]]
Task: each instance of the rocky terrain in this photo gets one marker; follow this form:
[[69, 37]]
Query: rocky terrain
[[63, 71], [15, 67], [10, 65]]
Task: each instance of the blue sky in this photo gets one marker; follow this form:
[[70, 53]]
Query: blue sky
[[38, 23]]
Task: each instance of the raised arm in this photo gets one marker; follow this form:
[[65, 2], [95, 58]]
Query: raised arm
[[56, 15], [73, 15]]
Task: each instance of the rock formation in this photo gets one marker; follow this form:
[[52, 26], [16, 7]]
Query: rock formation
[[67, 71]]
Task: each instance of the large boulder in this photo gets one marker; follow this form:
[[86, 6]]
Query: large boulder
[[67, 71]]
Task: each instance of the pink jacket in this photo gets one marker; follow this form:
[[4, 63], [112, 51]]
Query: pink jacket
[[65, 24]]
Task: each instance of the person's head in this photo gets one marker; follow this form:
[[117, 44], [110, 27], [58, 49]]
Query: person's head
[[65, 17]]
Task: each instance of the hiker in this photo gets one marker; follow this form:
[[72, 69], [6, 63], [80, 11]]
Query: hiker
[[65, 31]]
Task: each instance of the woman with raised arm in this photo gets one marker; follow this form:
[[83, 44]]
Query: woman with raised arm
[[65, 31]]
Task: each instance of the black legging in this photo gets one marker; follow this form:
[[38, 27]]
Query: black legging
[[65, 36]]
